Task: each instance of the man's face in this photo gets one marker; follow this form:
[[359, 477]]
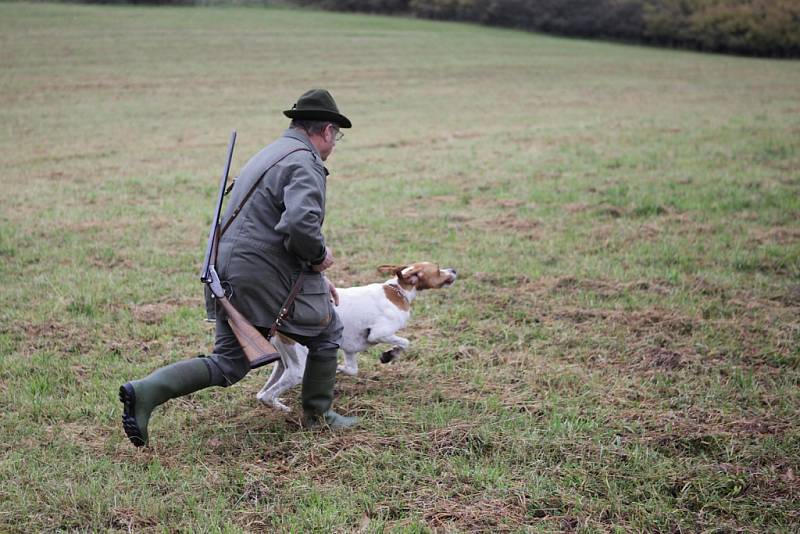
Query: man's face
[[329, 135]]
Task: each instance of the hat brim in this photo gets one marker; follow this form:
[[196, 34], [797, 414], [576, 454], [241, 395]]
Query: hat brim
[[318, 115]]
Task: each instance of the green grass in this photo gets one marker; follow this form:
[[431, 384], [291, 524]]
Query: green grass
[[620, 352]]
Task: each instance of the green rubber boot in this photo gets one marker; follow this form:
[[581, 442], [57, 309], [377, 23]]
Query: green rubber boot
[[318, 380], [140, 397]]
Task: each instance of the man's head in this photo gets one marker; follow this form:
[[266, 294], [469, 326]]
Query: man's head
[[323, 135], [316, 113]]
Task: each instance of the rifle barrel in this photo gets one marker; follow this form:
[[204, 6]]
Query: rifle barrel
[[212, 234]]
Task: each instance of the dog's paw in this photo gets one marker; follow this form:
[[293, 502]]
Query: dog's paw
[[390, 355], [278, 405], [347, 370], [275, 403]]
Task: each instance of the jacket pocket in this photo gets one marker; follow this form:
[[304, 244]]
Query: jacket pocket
[[312, 306]]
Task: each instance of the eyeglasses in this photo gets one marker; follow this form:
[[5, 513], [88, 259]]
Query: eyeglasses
[[337, 134]]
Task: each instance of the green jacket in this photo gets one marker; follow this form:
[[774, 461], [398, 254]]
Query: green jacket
[[277, 234]]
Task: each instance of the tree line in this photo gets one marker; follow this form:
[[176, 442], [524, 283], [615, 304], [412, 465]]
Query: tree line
[[751, 27], [748, 27]]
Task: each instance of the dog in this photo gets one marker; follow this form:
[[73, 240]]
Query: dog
[[371, 315]]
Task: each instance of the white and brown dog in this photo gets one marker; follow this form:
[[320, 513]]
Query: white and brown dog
[[371, 315]]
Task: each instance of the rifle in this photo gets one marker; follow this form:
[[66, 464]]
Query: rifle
[[258, 350]]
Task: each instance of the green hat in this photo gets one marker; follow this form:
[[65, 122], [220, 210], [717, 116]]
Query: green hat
[[317, 105]]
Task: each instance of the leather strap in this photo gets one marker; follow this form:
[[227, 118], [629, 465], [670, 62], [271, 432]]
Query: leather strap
[[298, 285], [253, 188]]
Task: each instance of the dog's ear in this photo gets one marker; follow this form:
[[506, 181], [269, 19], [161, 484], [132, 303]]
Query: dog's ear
[[409, 270], [390, 269], [410, 274]]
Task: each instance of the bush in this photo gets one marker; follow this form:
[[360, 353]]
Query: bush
[[762, 27], [606, 18], [756, 27], [364, 6]]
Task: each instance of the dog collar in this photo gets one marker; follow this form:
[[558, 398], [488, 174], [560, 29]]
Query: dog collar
[[397, 289]]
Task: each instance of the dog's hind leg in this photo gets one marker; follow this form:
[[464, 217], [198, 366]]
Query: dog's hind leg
[[293, 360], [289, 379], [277, 372], [269, 393]]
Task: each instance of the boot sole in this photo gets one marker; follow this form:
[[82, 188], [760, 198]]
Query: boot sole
[[128, 398]]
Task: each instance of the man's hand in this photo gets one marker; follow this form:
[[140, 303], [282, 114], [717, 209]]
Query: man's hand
[[326, 263], [334, 293]]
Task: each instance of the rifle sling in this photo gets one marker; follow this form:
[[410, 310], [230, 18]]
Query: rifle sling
[[252, 189], [287, 305]]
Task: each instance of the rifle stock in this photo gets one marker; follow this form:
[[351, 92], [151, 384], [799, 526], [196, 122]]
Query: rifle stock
[[258, 350]]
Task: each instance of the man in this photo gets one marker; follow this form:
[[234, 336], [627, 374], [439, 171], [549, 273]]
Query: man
[[276, 234]]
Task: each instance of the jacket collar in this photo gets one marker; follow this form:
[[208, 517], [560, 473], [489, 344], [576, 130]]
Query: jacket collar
[[303, 138]]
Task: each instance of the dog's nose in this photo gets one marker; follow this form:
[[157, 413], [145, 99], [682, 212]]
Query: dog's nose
[[454, 271]]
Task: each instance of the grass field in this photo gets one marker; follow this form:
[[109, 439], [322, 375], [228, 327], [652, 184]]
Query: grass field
[[620, 352]]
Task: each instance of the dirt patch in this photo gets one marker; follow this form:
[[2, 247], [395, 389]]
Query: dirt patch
[[648, 342], [607, 210], [131, 349], [440, 199], [111, 261], [635, 321], [682, 224], [577, 207], [130, 520], [53, 335], [661, 358], [781, 485], [706, 287], [603, 233], [511, 203], [790, 297], [155, 312], [496, 280], [152, 313], [87, 225], [528, 228], [606, 288], [458, 439], [82, 434], [779, 235], [474, 513], [697, 430]]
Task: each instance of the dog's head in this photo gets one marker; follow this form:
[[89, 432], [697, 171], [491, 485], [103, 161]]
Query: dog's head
[[422, 275]]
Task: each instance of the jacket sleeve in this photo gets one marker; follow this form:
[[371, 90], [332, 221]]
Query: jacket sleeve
[[301, 221]]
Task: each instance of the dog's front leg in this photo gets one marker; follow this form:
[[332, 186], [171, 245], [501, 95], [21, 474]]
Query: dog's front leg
[[350, 367], [399, 344]]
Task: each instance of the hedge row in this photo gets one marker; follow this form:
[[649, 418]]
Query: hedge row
[[756, 27]]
